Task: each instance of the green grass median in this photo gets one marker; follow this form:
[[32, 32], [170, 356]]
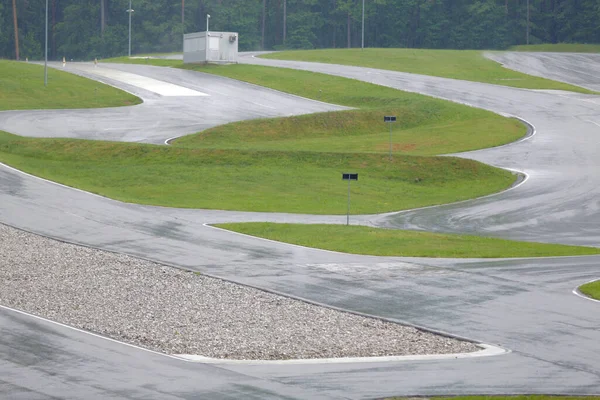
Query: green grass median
[[22, 88], [388, 242], [469, 65], [299, 182], [591, 289]]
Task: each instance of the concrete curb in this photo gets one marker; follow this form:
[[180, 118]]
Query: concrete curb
[[487, 350], [578, 293]]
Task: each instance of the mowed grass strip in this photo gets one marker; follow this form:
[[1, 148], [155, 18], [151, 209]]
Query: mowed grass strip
[[22, 88], [299, 182], [387, 242], [591, 289], [559, 48], [469, 65]]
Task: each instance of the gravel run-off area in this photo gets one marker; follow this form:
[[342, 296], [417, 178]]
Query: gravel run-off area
[[179, 312]]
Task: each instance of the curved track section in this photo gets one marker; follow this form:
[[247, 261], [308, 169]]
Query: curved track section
[[176, 103], [524, 305], [581, 69], [559, 203]]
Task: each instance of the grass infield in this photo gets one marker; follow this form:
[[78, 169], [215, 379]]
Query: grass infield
[[591, 289], [387, 242], [299, 182], [22, 88], [426, 126], [291, 164], [287, 164]]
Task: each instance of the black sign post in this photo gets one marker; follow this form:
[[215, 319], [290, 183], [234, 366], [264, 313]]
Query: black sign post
[[349, 177], [389, 120]]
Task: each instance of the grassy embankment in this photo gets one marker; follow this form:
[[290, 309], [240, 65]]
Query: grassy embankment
[[591, 289], [469, 65], [559, 48], [384, 242], [205, 171]]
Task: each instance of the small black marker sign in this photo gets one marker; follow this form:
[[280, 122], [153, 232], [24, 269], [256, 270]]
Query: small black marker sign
[[350, 177], [389, 119]]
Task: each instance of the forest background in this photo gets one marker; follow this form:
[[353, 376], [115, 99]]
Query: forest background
[[85, 29]]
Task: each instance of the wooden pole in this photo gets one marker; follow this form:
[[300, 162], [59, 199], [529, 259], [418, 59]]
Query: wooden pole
[[284, 21], [527, 34], [262, 28], [16, 25], [102, 17]]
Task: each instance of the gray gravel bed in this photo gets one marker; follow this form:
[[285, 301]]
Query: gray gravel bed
[[179, 312]]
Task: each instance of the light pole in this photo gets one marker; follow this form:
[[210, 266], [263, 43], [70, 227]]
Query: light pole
[[362, 43], [207, 18], [130, 10], [527, 34], [46, 50]]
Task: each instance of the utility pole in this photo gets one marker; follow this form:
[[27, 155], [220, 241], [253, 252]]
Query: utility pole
[[362, 43], [284, 20], [102, 17], [46, 50], [527, 34], [16, 25], [262, 28], [349, 38], [130, 10]]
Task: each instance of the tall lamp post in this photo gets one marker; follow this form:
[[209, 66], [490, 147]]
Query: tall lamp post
[[46, 50], [207, 18], [527, 34], [362, 43], [130, 10]]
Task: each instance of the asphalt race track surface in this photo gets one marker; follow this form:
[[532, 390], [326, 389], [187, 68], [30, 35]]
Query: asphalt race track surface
[[176, 103], [581, 69], [524, 305]]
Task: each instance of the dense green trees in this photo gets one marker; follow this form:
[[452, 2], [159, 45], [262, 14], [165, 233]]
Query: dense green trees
[[83, 29]]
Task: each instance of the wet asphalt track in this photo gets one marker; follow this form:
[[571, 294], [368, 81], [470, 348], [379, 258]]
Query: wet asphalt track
[[175, 103], [523, 305]]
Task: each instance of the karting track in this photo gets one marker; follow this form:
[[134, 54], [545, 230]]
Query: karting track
[[523, 305], [176, 103]]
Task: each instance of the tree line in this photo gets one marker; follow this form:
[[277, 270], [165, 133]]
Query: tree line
[[84, 29]]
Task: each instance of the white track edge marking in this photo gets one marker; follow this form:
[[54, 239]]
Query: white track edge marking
[[487, 351], [577, 293]]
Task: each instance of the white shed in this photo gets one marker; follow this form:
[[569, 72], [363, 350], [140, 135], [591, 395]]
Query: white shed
[[210, 47]]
